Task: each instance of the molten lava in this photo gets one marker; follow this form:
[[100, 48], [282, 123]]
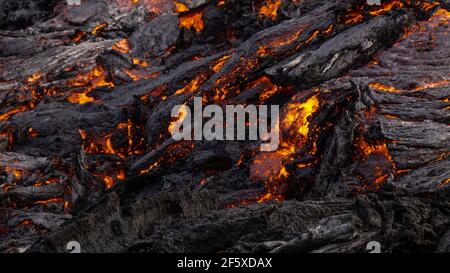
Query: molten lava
[[385, 7], [383, 87], [270, 9], [95, 31], [269, 167], [122, 46], [298, 115], [97, 77], [192, 19], [193, 85]]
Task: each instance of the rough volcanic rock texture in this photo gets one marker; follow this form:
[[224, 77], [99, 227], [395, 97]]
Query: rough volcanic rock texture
[[86, 94]]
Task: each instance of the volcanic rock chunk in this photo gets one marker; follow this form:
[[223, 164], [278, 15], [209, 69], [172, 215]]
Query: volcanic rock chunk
[[56, 59], [26, 227], [444, 243], [430, 134], [27, 46], [59, 132], [44, 219], [335, 159], [392, 108], [155, 36], [21, 161], [114, 61], [21, 169], [329, 230], [429, 178]]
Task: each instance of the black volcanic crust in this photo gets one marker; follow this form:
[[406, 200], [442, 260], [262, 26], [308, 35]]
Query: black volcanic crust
[[19, 14], [85, 110]]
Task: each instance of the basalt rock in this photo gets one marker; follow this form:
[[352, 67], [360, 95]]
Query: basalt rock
[[86, 154]]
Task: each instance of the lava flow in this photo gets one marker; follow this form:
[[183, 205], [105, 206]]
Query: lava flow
[[88, 95]]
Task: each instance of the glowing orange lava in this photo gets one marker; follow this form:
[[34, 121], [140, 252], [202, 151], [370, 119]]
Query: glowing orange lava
[[109, 182], [192, 19], [99, 28], [298, 115], [270, 9], [219, 64]]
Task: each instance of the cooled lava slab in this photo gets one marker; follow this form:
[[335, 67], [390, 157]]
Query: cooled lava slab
[[86, 155]]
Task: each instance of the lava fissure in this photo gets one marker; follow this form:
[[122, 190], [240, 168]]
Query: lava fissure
[[86, 94]]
